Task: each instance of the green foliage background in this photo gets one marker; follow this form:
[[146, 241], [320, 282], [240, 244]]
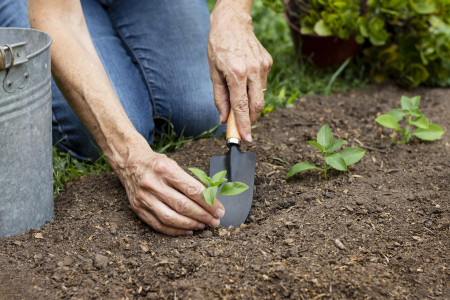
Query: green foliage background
[[408, 41]]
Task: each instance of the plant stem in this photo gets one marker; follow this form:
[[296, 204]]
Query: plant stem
[[325, 169], [408, 125]]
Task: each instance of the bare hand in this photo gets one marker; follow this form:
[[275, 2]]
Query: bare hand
[[164, 196], [239, 65]]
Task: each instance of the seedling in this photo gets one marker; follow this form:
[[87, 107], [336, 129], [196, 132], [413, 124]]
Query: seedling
[[336, 160], [212, 184], [426, 130]]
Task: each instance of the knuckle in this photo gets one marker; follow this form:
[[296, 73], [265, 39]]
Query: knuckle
[[193, 190], [242, 105], [259, 106], [254, 67], [239, 71], [266, 65], [139, 196], [145, 181], [161, 166], [270, 60], [157, 226], [134, 205], [182, 206], [168, 219]]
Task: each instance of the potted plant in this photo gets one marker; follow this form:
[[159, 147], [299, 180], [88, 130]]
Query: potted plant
[[330, 31], [405, 40]]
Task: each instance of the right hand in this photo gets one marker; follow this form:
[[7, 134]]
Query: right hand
[[163, 195]]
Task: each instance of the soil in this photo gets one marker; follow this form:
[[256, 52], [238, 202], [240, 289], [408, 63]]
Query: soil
[[380, 230]]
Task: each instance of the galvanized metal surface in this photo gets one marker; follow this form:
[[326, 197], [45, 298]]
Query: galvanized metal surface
[[26, 181]]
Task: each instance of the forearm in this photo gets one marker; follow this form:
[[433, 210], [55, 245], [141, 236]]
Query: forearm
[[242, 7], [80, 75]]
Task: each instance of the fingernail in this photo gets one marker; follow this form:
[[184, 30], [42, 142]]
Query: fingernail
[[249, 138], [215, 223], [201, 226], [189, 232], [220, 212]]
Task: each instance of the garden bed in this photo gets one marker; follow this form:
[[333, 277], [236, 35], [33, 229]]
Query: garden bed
[[379, 231]]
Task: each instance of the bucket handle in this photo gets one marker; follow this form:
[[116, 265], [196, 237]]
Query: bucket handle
[[12, 55]]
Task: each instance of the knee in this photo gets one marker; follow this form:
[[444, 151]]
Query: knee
[[198, 112]]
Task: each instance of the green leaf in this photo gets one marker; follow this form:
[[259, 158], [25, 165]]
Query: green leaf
[[410, 104], [359, 39], [219, 178], [316, 144], [201, 176], [363, 26], [306, 30], [421, 122], [397, 113], [233, 188], [433, 132], [300, 167], [336, 145], [210, 194], [352, 155], [322, 29], [336, 161], [325, 136], [425, 7], [388, 121]]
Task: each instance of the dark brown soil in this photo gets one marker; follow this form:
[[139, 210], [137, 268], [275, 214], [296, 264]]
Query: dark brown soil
[[379, 231]]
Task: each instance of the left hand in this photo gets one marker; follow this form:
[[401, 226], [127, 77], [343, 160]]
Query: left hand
[[239, 65]]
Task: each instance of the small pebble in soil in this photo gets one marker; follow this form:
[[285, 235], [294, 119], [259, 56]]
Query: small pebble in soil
[[339, 244], [213, 252], [410, 197], [438, 168], [359, 202], [207, 234], [100, 261], [66, 262]]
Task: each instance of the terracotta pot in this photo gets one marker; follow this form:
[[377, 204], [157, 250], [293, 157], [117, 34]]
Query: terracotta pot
[[325, 51]]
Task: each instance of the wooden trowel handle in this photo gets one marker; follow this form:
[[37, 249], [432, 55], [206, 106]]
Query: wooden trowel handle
[[232, 131]]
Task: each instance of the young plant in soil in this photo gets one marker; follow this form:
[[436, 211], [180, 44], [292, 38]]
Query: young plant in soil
[[332, 159], [212, 184], [426, 130]]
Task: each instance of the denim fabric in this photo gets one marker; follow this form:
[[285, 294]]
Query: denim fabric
[[154, 53]]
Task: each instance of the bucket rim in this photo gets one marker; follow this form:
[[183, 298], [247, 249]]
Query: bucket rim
[[39, 51]]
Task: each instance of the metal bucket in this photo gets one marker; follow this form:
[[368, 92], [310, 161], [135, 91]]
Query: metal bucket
[[26, 180]]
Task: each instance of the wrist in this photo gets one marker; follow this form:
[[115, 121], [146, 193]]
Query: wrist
[[122, 149], [243, 8]]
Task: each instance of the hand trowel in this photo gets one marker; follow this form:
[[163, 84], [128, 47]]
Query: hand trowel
[[240, 167]]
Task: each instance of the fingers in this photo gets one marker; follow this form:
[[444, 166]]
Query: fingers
[[266, 65], [221, 97], [151, 220], [240, 106], [256, 98], [193, 190], [247, 87], [181, 192], [174, 208]]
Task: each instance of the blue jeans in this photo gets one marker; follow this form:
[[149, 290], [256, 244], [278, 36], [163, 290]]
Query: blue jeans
[[154, 53]]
